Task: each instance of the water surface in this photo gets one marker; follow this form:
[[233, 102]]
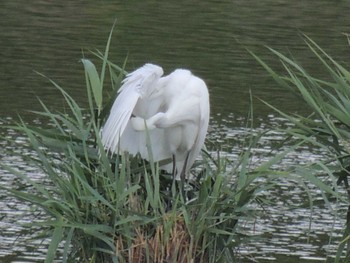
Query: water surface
[[209, 37]]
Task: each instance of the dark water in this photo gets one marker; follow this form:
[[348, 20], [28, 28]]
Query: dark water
[[208, 37]]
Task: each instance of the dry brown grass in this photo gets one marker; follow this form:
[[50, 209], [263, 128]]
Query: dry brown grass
[[169, 242]]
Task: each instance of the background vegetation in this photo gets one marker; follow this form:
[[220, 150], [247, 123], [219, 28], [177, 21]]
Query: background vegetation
[[104, 208]]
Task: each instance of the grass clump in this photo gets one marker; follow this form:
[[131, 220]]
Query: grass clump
[[102, 208]]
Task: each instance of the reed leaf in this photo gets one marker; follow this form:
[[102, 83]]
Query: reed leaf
[[327, 127]]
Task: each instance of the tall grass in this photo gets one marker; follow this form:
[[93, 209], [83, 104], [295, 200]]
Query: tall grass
[[329, 124], [103, 208], [122, 209]]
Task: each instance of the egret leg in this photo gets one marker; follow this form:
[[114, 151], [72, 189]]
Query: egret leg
[[183, 177], [183, 172], [173, 187], [174, 166]]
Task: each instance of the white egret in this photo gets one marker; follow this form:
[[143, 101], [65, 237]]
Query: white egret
[[172, 110]]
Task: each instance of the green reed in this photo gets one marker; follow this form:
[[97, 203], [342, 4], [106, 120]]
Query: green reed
[[120, 208], [328, 126]]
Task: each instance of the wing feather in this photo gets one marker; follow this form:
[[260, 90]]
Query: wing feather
[[137, 85]]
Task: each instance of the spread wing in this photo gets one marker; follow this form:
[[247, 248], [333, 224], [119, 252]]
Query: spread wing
[[137, 85]]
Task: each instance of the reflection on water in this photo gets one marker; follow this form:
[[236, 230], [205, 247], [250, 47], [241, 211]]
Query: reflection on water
[[287, 229], [16, 244]]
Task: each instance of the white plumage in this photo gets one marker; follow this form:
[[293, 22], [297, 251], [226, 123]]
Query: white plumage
[[172, 110]]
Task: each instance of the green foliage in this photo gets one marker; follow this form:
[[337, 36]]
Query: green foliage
[[122, 209], [103, 208], [329, 124]]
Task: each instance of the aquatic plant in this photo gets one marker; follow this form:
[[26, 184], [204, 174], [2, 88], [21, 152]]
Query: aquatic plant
[[328, 126], [102, 208]]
